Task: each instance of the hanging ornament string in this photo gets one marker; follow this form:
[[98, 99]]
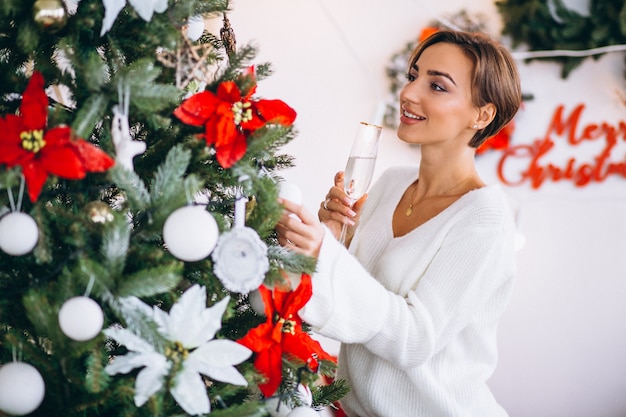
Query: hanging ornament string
[[240, 257], [20, 196], [17, 353], [240, 204], [92, 280]]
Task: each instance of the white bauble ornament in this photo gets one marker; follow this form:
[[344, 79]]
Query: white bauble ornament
[[291, 192], [256, 302], [277, 408], [305, 394], [195, 27], [303, 412], [21, 388], [81, 318], [18, 233], [292, 278], [190, 233]]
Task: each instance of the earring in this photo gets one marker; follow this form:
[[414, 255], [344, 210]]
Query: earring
[[475, 126]]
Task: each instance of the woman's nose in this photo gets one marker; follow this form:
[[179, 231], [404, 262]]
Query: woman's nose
[[410, 91]]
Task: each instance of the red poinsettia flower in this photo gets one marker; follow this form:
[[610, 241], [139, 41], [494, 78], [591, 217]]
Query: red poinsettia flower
[[26, 141], [499, 141], [230, 117], [282, 334]]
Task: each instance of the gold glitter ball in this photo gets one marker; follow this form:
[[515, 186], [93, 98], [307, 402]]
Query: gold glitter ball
[[99, 212]]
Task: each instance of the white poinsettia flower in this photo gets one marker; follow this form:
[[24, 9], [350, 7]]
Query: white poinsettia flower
[[142, 355], [189, 321], [191, 327], [144, 8]]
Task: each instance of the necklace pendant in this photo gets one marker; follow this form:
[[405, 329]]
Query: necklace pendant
[[409, 211]]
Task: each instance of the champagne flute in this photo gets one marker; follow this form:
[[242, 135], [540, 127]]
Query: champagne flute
[[360, 167]]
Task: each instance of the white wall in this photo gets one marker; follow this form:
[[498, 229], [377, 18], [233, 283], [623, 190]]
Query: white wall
[[563, 338]]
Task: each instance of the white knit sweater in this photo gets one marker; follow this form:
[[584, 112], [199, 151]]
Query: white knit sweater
[[417, 314]]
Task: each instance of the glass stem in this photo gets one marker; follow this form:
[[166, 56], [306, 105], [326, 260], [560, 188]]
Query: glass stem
[[344, 227], [342, 236]]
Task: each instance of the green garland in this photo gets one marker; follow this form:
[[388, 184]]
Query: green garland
[[550, 25]]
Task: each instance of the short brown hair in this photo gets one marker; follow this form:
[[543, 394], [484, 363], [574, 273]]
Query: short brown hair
[[495, 78]]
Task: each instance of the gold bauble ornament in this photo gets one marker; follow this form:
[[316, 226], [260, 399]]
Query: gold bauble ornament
[[50, 15], [98, 212]]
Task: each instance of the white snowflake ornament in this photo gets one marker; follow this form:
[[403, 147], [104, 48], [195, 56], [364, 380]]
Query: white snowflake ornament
[[241, 260], [125, 147], [191, 327]]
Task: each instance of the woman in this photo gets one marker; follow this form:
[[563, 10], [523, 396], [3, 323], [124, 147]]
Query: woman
[[417, 298]]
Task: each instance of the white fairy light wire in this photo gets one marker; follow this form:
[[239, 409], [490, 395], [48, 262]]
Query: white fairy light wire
[[560, 52], [521, 55]]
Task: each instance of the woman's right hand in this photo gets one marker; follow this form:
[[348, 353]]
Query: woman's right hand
[[336, 210]]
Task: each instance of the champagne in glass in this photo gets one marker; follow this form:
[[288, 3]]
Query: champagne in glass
[[361, 163]]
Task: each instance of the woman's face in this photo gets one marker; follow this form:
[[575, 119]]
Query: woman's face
[[436, 104]]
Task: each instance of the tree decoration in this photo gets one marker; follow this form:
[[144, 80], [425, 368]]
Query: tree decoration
[[303, 412], [22, 388], [240, 260], [144, 8], [290, 191], [98, 212], [279, 408], [190, 233], [27, 142], [282, 335], [229, 116], [114, 75], [111, 9], [195, 27], [256, 302], [227, 34], [125, 147], [50, 15], [240, 257], [550, 25], [81, 318], [190, 329], [189, 60], [18, 233]]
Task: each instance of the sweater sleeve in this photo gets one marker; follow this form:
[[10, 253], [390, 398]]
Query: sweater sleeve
[[349, 305]]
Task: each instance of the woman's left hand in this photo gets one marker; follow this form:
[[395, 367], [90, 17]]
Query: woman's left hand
[[299, 230]]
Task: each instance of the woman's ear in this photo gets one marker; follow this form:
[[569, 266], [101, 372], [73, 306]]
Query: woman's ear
[[485, 115]]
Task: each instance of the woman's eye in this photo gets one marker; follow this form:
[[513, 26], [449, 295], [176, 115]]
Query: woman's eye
[[437, 87], [410, 77]]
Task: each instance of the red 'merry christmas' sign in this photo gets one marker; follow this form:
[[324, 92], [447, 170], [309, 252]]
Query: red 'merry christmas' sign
[[534, 158]]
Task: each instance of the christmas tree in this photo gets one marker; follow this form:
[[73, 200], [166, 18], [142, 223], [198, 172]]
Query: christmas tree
[[140, 272]]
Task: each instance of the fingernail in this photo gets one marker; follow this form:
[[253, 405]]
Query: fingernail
[[349, 221], [352, 213]]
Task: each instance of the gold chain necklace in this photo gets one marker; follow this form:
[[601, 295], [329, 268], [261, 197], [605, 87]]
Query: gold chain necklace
[[409, 209]]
